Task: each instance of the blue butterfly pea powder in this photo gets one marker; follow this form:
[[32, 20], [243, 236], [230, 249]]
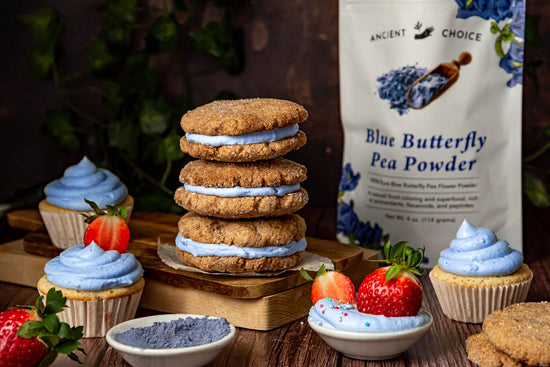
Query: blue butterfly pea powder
[[184, 332], [423, 91], [395, 84]]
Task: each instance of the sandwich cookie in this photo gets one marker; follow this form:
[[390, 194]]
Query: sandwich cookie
[[242, 190], [243, 130], [241, 246]]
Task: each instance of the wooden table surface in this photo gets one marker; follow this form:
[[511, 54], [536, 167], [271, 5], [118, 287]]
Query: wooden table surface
[[295, 344]]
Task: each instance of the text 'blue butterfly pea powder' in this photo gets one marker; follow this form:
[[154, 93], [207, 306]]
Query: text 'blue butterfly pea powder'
[[184, 332]]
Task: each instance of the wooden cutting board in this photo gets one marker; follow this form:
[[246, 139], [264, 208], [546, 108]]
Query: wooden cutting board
[[260, 303]]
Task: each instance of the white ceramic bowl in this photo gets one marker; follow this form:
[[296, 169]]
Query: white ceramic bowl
[[182, 357], [371, 346]]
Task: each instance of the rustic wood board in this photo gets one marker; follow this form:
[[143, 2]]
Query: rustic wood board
[[259, 303]]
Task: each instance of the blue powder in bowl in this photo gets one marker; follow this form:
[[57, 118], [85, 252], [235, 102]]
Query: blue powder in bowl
[[394, 85], [423, 92], [178, 333]]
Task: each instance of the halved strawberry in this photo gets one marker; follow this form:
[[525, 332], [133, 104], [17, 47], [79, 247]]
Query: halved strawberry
[[393, 290], [330, 284], [107, 229], [32, 336]]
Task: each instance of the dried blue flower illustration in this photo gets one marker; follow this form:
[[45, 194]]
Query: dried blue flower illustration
[[349, 180]]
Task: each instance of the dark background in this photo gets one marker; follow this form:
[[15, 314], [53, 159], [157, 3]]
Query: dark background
[[291, 52]]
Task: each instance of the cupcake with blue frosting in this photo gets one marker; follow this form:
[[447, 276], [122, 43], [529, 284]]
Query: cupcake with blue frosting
[[103, 288], [479, 274], [64, 204]]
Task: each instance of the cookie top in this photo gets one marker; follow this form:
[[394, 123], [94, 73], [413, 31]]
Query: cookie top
[[269, 173], [521, 275], [261, 232], [243, 116], [522, 331], [484, 354]]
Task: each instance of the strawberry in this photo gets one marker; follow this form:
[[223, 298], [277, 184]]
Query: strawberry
[[32, 336], [107, 229], [330, 284], [393, 290]]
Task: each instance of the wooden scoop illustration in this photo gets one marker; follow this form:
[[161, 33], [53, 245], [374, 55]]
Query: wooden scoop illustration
[[446, 72]]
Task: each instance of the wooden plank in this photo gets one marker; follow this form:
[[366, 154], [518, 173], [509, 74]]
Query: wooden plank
[[26, 219]]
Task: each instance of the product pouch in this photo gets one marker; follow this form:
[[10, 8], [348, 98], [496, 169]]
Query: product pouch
[[431, 95]]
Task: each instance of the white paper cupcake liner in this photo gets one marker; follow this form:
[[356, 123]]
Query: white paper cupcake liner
[[99, 316], [67, 229], [472, 305]]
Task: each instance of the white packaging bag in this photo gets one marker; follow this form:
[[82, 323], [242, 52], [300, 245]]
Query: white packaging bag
[[416, 166]]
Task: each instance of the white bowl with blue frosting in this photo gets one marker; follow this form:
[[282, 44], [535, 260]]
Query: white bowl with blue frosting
[[364, 336], [64, 204]]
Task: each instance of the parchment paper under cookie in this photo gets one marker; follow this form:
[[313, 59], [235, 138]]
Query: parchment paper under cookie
[[310, 261]]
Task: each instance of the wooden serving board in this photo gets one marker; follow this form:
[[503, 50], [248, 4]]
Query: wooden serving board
[[260, 303]]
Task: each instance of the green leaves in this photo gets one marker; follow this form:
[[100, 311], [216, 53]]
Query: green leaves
[[219, 40], [138, 63], [535, 189], [102, 61], [402, 258], [44, 26], [58, 336], [154, 117], [57, 124], [163, 34]]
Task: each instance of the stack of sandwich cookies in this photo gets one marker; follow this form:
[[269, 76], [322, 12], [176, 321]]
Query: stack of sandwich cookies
[[241, 194]]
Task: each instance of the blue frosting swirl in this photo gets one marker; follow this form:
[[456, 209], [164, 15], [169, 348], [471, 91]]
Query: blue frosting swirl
[[332, 314], [211, 249], [478, 252], [91, 268], [250, 138], [85, 180]]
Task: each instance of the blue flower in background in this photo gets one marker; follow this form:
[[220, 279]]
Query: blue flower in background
[[511, 33], [348, 222], [501, 10], [518, 18], [512, 62], [349, 180], [485, 9], [367, 234], [349, 225], [478, 8]]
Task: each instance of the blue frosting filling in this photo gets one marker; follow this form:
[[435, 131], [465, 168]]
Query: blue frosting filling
[[211, 249], [251, 138], [236, 191]]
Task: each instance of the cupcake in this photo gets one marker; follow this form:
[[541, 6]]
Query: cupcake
[[103, 288], [479, 274], [64, 205]]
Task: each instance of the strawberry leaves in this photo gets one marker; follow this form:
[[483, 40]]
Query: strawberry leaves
[[58, 336], [402, 258], [112, 211]]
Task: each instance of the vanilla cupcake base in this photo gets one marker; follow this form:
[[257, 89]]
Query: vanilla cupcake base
[[97, 311], [471, 299], [66, 227]]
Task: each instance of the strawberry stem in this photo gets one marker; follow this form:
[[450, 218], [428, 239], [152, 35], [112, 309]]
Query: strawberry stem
[[402, 258]]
